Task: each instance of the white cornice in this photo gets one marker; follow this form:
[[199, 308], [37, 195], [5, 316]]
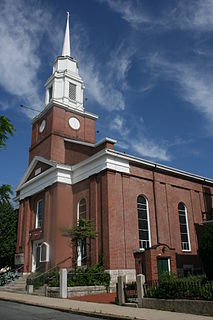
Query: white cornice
[[61, 105], [94, 145], [71, 174], [160, 167], [27, 173], [104, 159]]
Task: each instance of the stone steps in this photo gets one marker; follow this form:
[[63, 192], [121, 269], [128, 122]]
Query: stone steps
[[18, 285]]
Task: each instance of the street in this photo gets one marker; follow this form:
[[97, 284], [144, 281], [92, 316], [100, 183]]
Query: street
[[18, 311]]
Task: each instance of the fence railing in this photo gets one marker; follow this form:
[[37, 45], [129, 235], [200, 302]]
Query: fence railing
[[181, 288], [130, 292], [87, 278], [10, 275], [49, 277]]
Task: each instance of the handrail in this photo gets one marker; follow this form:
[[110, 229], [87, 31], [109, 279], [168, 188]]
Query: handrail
[[12, 270], [40, 275]]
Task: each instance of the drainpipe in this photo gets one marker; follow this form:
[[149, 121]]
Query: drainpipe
[[155, 205]]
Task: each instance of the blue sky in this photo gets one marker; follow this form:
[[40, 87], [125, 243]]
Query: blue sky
[[147, 67]]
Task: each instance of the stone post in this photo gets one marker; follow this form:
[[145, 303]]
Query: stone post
[[30, 289], [63, 283], [140, 280], [121, 296]]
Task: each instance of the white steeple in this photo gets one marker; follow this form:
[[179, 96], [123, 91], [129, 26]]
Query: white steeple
[[66, 46], [65, 86]]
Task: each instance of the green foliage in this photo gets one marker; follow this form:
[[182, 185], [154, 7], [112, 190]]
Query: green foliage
[[83, 230], [50, 278], [171, 287], [8, 226], [91, 276], [206, 251], [5, 193], [6, 128]]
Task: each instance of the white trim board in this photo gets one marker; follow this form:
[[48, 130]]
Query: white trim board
[[70, 174]]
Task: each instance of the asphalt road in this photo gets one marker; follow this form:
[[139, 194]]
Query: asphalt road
[[17, 311]]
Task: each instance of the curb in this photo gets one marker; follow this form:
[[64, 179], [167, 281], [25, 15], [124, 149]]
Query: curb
[[75, 311]]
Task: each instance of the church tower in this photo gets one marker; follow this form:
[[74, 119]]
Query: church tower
[[63, 116]]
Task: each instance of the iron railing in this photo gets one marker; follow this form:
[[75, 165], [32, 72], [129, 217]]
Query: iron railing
[[130, 292], [10, 275]]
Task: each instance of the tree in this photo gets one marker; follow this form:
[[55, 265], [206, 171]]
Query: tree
[[79, 234], [6, 128], [8, 218], [5, 193], [206, 250], [8, 226]]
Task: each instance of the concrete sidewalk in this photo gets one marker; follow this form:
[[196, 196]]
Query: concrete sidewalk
[[98, 309]]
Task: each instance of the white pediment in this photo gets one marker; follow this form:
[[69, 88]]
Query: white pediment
[[32, 166]]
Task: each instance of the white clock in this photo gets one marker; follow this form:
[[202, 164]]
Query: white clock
[[42, 126], [74, 123]]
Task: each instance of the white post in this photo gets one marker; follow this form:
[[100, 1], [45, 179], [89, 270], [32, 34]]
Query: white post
[[63, 283], [121, 296], [140, 280], [30, 289]]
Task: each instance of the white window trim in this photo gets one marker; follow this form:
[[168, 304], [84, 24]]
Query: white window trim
[[79, 257], [169, 265], [47, 258], [37, 206], [39, 243], [148, 221], [187, 228]]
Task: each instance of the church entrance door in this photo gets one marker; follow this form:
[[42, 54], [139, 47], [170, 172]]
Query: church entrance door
[[36, 264]]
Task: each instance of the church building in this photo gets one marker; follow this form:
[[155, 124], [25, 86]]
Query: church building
[[147, 216]]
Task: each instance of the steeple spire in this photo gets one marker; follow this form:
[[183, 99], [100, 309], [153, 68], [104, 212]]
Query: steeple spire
[[66, 46]]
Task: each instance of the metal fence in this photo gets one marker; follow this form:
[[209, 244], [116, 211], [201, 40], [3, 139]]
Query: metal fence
[[130, 292], [183, 288]]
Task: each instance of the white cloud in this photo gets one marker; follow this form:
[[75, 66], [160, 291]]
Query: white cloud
[[104, 82], [194, 15], [148, 148], [194, 84], [117, 123], [23, 26], [190, 14], [139, 144], [130, 11], [119, 64]]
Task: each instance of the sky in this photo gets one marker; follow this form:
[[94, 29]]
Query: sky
[[147, 66]]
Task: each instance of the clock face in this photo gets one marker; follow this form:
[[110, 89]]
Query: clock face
[[42, 126], [74, 123]]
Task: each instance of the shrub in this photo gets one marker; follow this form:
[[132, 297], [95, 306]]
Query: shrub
[[91, 276], [50, 278], [206, 251], [170, 287]]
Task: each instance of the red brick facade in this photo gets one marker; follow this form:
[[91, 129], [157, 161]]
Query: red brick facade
[[111, 202]]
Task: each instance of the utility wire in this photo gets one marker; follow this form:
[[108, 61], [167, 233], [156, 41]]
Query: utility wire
[[22, 106]]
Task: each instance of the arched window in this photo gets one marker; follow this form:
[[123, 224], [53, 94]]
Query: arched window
[[81, 249], [39, 213], [82, 209], [184, 229], [143, 222]]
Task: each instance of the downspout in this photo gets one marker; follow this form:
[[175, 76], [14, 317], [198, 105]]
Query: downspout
[[155, 206]]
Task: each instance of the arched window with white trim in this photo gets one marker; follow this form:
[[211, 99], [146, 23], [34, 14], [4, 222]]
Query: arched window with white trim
[[184, 228], [143, 222], [81, 249]]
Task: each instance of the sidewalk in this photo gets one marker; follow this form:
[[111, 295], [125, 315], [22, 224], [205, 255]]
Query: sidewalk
[[91, 308]]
